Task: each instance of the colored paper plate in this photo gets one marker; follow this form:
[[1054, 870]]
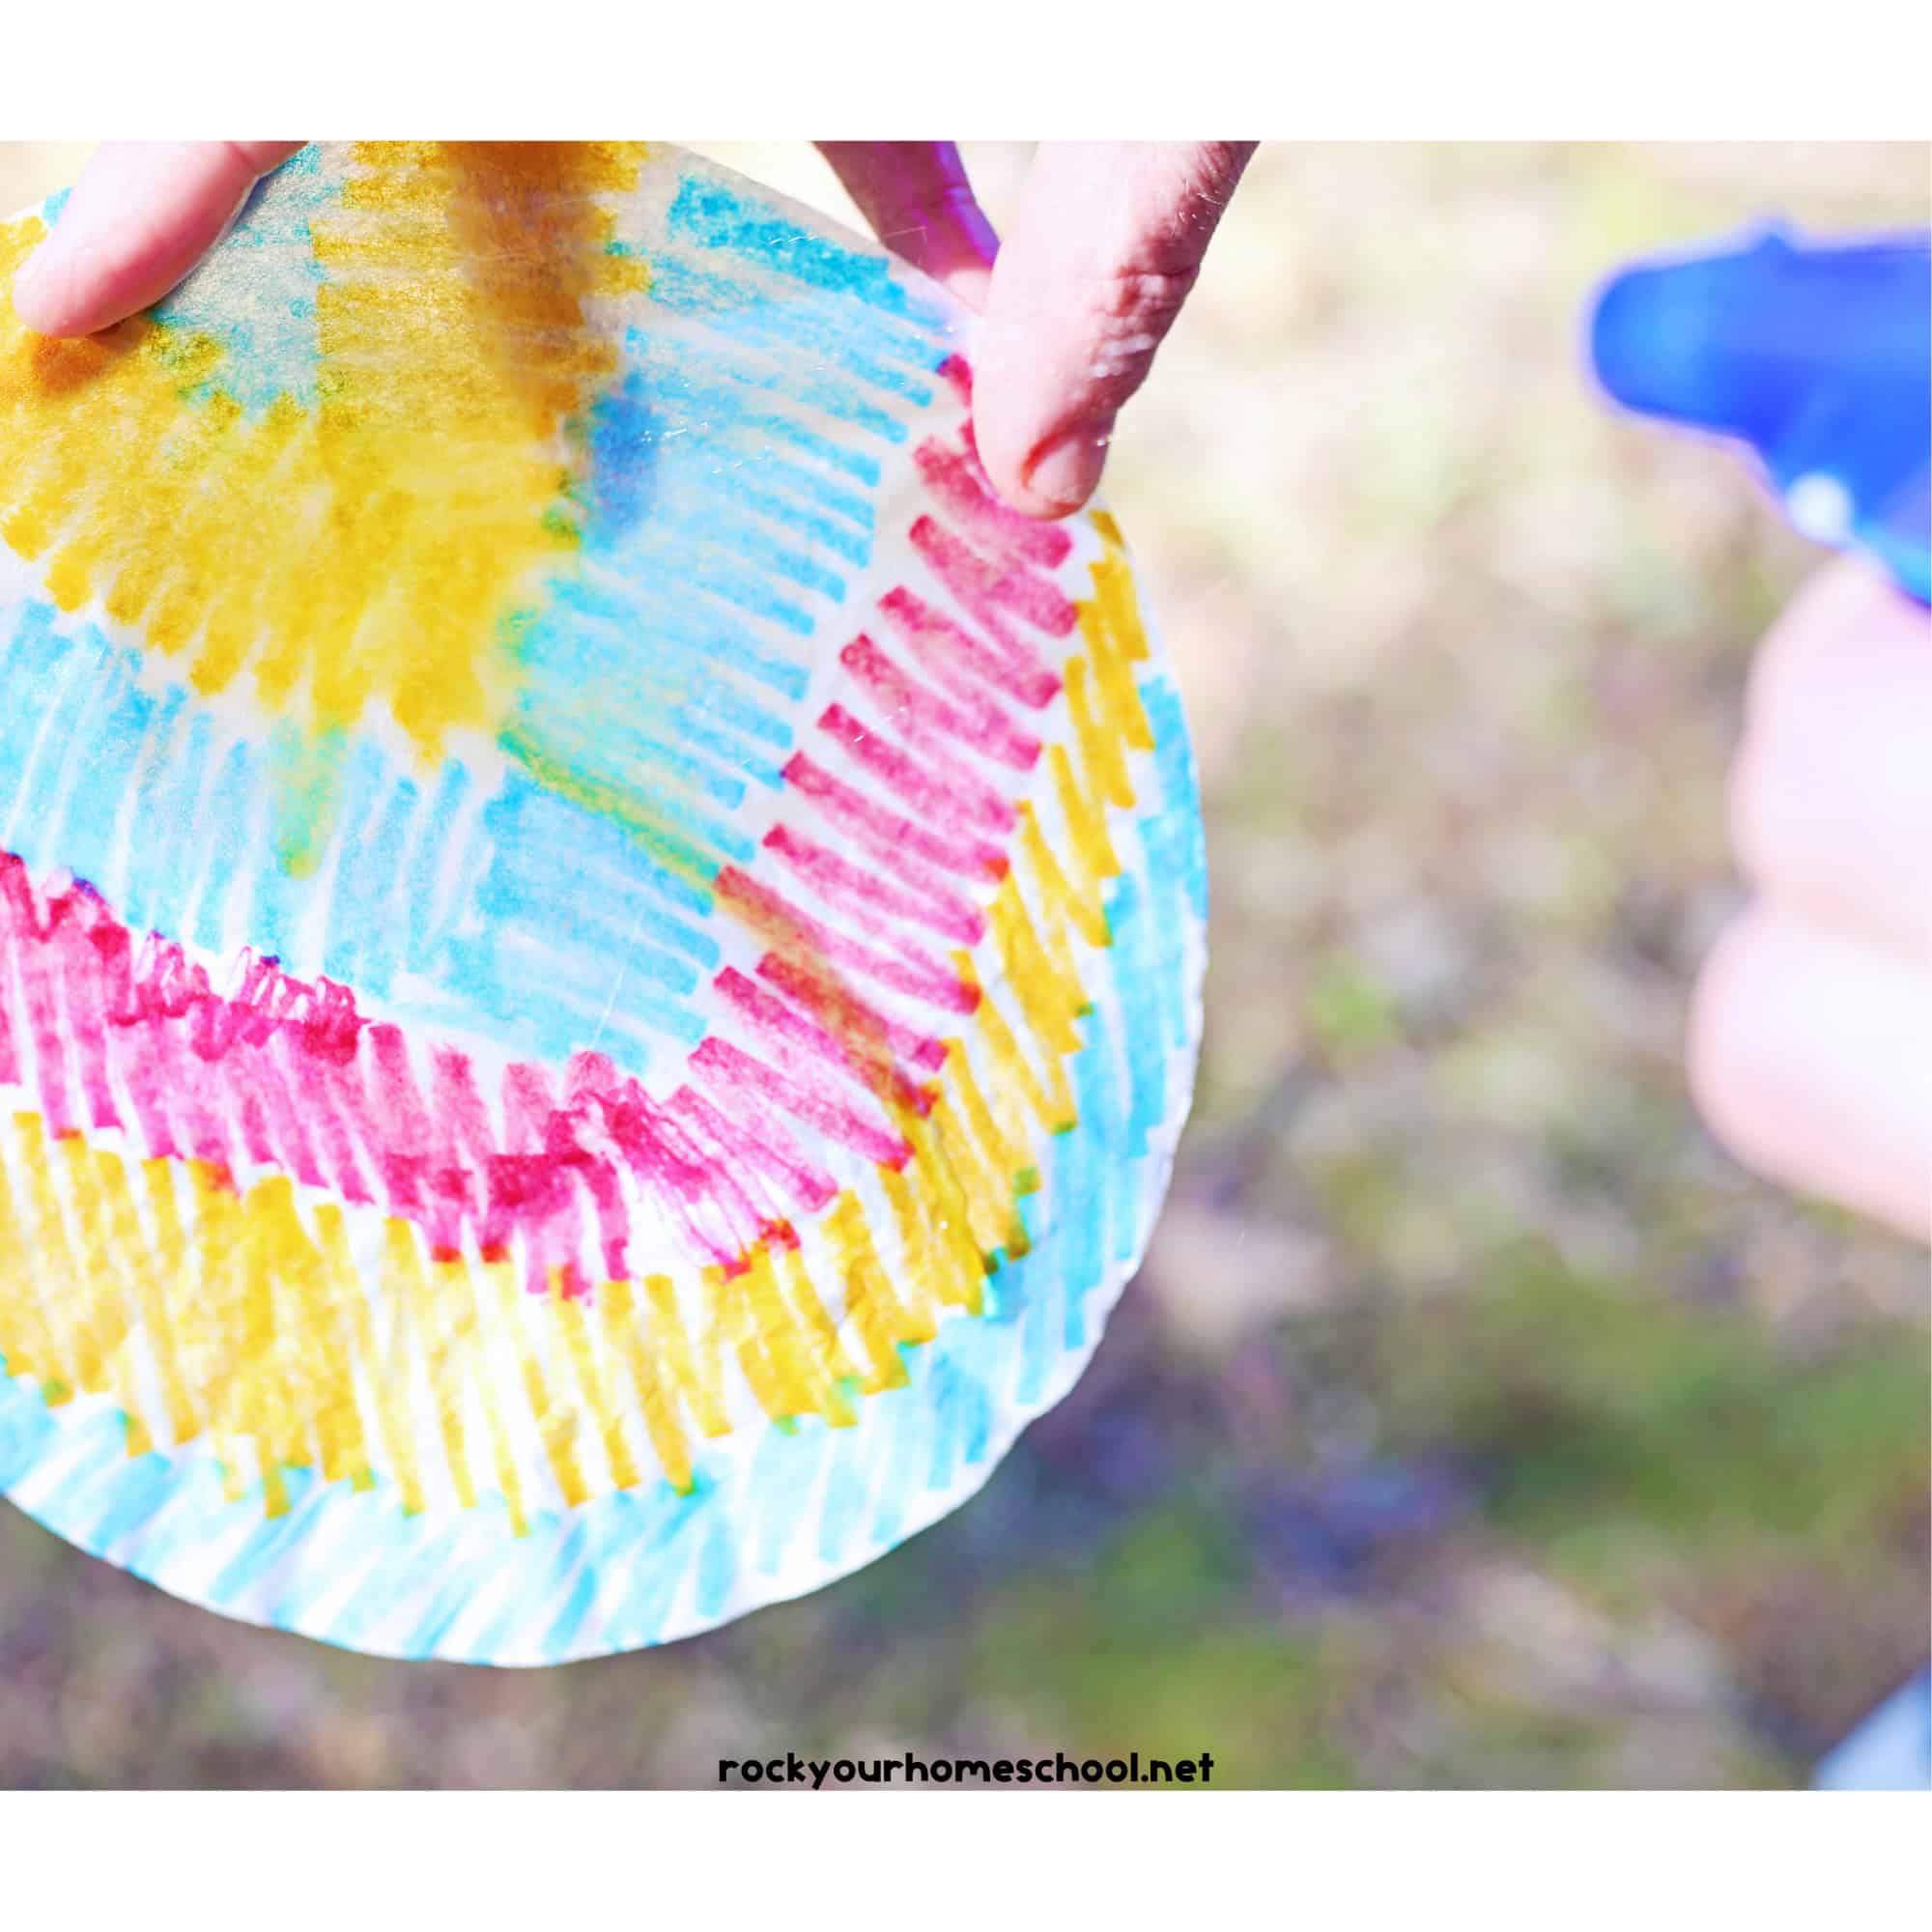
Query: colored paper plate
[[599, 949]]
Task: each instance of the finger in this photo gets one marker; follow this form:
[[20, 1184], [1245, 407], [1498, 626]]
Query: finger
[[1832, 792], [1103, 250], [921, 205], [1810, 1057], [142, 215]]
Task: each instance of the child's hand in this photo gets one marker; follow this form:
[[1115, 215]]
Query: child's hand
[[1104, 249], [1811, 1035]]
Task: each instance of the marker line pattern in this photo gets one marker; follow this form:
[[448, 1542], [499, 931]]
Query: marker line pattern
[[599, 949]]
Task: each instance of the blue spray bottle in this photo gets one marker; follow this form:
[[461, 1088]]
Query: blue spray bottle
[[1817, 355]]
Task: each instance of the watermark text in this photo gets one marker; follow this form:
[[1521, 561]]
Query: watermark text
[[911, 1769]]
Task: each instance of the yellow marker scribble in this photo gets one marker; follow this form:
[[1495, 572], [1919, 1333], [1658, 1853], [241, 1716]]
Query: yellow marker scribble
[[412, 505], [295, 1364], [880, 1318]]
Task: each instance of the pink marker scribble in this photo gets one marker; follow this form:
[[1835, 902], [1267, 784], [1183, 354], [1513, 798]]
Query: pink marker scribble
[[937, 786], [960, 485], [958, 659], [974, 720], [111, 1030], [740, 1079], [990, 592], [843, 1011], [876, 905], [887, 832], [770, 913], [795, 1042]]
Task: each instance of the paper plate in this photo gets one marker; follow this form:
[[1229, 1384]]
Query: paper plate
[[599, 949]]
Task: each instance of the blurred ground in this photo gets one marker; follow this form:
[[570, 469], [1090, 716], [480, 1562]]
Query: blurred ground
[[1475, 1421]]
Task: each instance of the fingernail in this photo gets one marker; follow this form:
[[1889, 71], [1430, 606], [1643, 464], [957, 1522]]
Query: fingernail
[[1064, 471]]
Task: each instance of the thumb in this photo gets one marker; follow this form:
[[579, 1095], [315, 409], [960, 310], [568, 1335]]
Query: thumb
[[142, 215], [1103, 250], [921, 205]]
